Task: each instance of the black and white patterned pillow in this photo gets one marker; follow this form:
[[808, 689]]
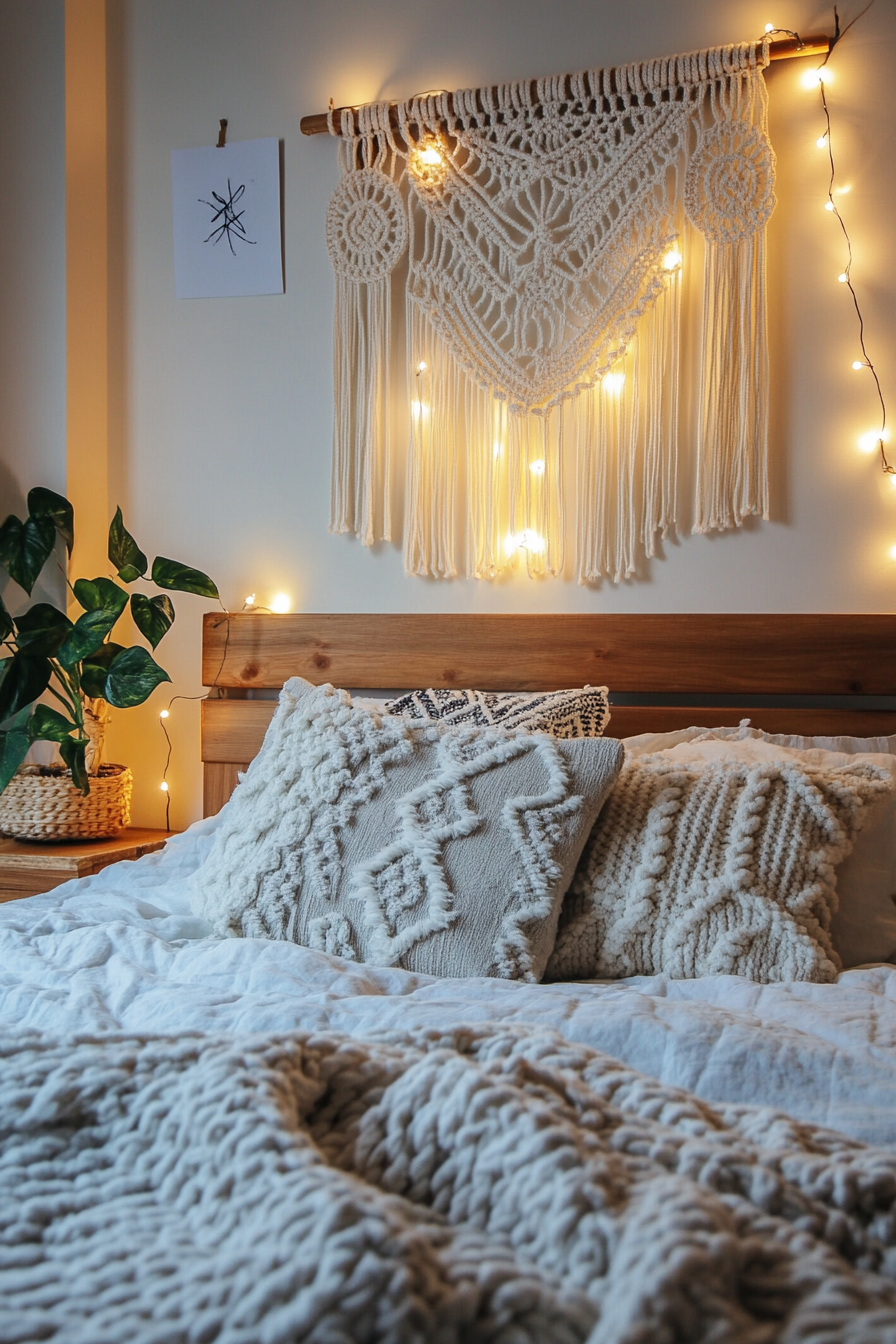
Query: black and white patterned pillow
[[568, 714]]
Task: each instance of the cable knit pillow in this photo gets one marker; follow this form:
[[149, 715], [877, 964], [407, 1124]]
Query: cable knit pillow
[[714, 868], [565, 714], [445, 850], [863, 926]]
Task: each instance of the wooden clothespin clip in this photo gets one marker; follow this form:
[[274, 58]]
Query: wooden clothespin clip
[[222, 133]]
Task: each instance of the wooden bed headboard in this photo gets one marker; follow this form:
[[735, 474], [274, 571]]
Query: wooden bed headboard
[[746, 659]]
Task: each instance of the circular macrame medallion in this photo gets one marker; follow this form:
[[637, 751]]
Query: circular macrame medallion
[[367, 230], [729, 188]]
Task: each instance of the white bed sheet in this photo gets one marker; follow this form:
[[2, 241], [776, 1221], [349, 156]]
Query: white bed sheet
[[121, 951]]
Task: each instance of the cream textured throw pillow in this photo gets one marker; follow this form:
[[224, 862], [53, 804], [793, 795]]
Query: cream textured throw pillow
[[714, 868], [445, 850]]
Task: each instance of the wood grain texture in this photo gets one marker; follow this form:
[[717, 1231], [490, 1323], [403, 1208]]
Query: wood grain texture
[[235, 728], [219, 779], [678, 654], [28, 868]]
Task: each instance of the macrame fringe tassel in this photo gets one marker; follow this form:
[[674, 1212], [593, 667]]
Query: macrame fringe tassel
[[626, 430], [467, 444], [732, 443], [359, 495]]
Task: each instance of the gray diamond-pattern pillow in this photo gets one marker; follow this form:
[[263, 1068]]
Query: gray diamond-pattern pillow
[[445, 850]]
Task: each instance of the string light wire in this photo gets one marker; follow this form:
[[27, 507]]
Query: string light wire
[[845, 276], [163, 715]]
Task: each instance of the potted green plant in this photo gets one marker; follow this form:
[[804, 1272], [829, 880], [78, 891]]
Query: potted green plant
[[78, 664]]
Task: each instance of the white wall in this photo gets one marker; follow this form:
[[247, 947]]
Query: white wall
[[32, 256], [221, 418]]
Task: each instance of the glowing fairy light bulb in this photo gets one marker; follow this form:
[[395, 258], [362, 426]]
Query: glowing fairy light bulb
[[829, 205], [537, 467], [164, 786], [427, 163], [613, 382], [822, 142], [419, 410], [893, 548], [870, 441], [250, 600], [163, 714], [527, 540], [860, 364], [530, 540], [497, 448], [422, 366], [843, 277], [812, 78], [281, 603], [769, 27], [672, 260]]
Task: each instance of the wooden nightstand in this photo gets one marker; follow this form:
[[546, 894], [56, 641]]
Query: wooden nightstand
[[27, 868]]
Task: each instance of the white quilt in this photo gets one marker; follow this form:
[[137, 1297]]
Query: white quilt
[[246, 1141], [122, 952]]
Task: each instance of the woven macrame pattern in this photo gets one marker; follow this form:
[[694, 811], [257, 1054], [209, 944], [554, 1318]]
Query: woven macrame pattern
[[451, 1187], [714, 869], [564, 714], [547, 225]]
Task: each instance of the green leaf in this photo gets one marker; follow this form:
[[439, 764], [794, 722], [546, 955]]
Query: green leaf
[[6, 625], [125, 554], [153, 616], [101, 595], [181, 579], [14, 744], [42, 630], [23, 679], [94, 670], [85, 637], [44, 503], [25, 548], [48, 725], [132, 678], [72, 749]]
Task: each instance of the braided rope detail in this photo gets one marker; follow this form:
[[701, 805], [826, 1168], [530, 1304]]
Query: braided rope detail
[[48, 807]]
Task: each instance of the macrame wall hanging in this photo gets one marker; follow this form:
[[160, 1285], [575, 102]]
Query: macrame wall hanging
[[545, 226]]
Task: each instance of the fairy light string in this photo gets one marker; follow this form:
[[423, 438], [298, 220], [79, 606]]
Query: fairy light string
[[166, 713], [280, 604], [876, 438]]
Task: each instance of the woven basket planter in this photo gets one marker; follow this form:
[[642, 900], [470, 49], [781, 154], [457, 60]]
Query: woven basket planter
[[41, 803]]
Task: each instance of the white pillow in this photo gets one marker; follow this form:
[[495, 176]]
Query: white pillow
[[863, 927], [443, 850], [708, 860]]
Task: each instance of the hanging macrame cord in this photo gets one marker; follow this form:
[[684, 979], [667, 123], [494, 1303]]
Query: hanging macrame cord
[[545, 226]]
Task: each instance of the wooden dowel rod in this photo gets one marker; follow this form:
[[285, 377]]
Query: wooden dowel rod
[[782, 49]]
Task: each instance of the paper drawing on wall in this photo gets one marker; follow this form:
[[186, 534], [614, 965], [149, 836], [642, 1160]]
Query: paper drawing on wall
[[231, 224], [227, 238]]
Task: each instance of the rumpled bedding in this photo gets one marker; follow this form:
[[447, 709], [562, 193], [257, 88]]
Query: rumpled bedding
[[241, 1140], [121, 951]]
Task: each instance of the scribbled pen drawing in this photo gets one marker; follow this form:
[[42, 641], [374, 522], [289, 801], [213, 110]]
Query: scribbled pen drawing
[[227, 221]]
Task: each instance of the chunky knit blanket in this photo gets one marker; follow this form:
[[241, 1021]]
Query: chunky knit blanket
[[468, 1186]]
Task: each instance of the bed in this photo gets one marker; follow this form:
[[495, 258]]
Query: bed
[[248, 1139]]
